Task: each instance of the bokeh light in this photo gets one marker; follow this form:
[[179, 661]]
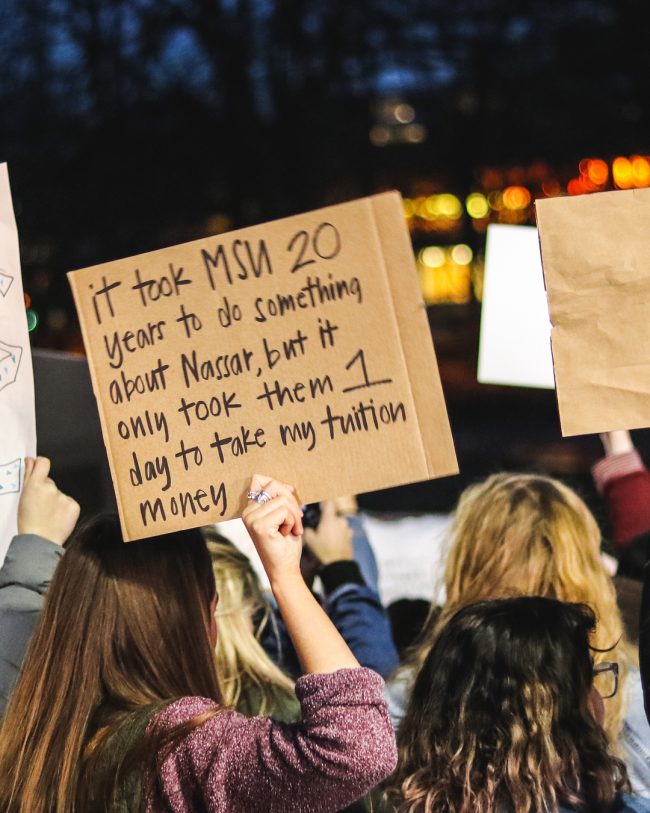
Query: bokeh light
[[640, 171], [516, 197], [32, 320], [404, 113], [432, 256], [461, 254], [597, 171], [623, 172], [477, 205]]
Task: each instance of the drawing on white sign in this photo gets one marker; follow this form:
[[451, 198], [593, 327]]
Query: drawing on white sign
[[5, 282], [10, 356], [17, 413], [10, 477]]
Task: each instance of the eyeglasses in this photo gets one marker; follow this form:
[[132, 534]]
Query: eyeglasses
[[606, 679]]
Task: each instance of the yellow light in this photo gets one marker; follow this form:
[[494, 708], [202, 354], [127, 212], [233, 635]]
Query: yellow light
[[421, 207], [427, 284], [461, 254], [516, 197], [432, 256], [409, 208], [449, 206], [623, 173], [641, 170], [597, 171], [477, 205]]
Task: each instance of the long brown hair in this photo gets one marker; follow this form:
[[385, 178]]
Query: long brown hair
[[500, 716], [525, 535], [124, 627]]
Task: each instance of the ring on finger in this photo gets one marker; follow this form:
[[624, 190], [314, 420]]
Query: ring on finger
[[252, 495], [262, 497]]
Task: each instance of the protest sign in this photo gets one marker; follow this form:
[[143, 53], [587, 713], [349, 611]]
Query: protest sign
[[596, 256], [515, 342], [299, 349], [17, 415]]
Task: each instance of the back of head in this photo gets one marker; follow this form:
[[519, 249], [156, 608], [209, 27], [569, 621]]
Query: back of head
[[526, 535], [500, 715], [248, 678], [124, 626], [522, 533]]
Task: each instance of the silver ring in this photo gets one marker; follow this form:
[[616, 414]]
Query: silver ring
[[252, 495], [263, 497]]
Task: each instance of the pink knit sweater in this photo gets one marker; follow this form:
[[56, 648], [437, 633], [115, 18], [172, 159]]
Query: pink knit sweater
[[342, 747]]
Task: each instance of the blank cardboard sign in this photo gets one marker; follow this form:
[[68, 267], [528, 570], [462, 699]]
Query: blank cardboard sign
[[596, 258], [299, 349], [515, 343]]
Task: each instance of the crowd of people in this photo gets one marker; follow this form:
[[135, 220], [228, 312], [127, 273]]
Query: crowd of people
[[160, 676]]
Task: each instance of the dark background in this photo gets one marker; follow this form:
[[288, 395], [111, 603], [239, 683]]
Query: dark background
[[129, 125]]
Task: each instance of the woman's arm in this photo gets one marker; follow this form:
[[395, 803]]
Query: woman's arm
[[276, 528], [46, 517], [624, 483]]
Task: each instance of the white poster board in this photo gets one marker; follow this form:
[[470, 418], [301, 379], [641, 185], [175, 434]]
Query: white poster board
[[515, 342], [17, 413]]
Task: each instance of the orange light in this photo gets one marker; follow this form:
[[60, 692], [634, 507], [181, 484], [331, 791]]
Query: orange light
[[623, 173], [516, 197], [597, 171], [551, 189], [28, 301], [495, 199], [575, 187]]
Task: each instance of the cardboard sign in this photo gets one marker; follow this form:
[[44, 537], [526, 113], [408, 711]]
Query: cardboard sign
[[596, 258], [17, 413], [515, 342], [299, 349]]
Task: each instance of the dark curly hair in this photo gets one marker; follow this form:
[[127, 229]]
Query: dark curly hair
[[499, 717]]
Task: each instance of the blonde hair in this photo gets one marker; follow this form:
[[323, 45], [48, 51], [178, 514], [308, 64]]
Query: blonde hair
[[248, 678], [527, 535]]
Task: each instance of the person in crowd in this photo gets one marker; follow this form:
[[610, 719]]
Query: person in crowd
[[524, 534], [46, 518], [118, 704], [623, 481], [504, 717], [338, 551], [249, 680], [644, 642]]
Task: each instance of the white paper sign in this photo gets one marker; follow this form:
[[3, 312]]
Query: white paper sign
[[515, 343], [17, 413]]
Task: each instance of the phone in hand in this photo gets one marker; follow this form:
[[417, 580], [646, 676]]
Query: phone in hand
[[311, 515]]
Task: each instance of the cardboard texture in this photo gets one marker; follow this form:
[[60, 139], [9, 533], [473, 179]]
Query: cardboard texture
[[515, 341], [17, 412], [299, 349], [596, 260]]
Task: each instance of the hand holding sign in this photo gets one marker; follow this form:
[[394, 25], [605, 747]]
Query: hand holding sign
[[43, 509], [300, 347]]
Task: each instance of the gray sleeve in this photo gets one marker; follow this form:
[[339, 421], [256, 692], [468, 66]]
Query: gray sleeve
[[24, 578], [30, 563]]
